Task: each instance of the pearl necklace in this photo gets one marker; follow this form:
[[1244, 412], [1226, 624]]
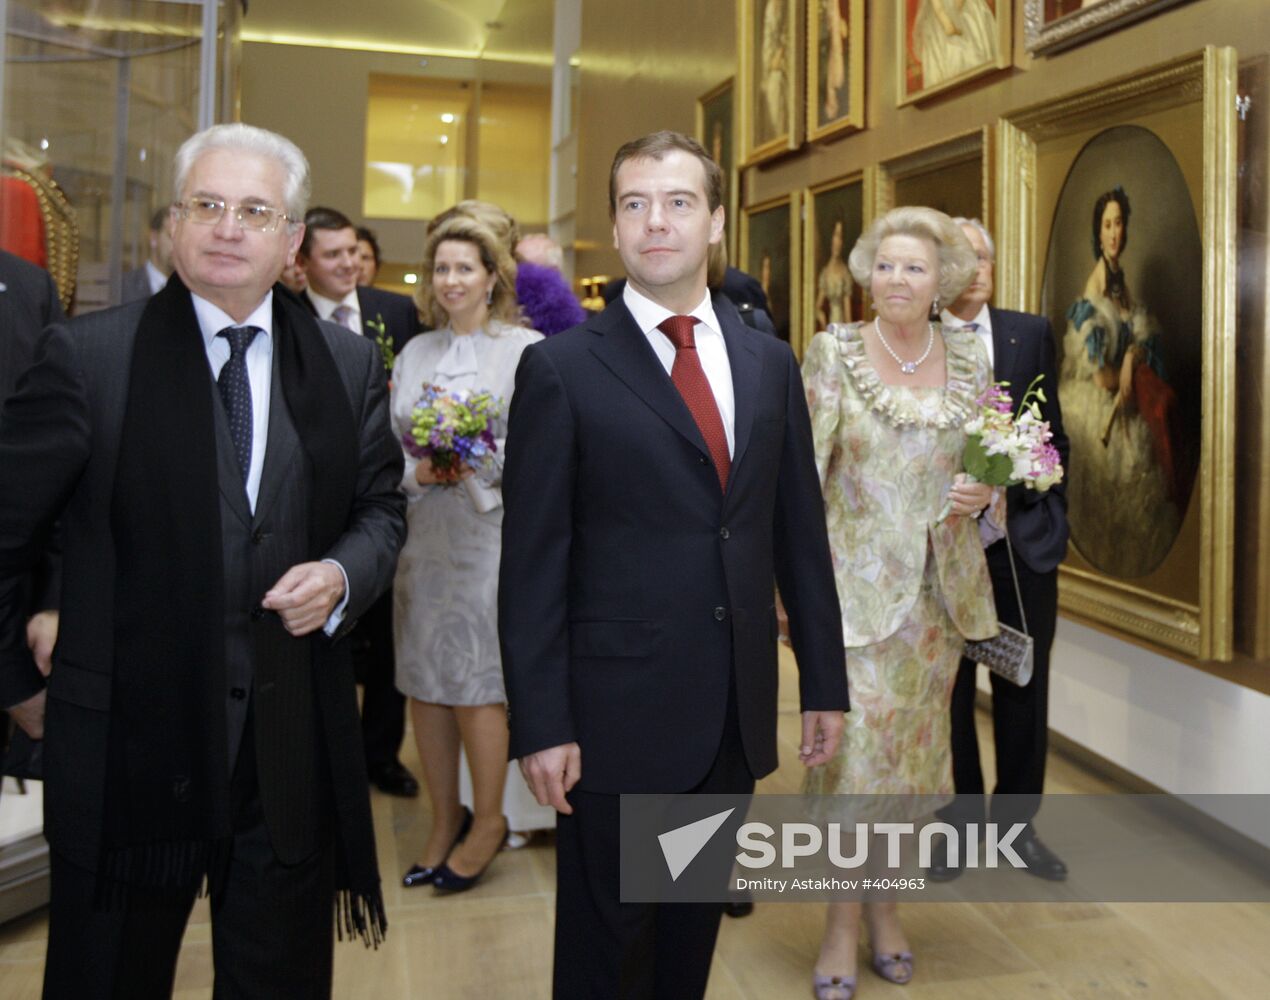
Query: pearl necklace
[[907, 367]]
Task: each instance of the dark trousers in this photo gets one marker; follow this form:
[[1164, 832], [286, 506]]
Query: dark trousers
[[606, 949], [1019, 714], [272, 924], [383, 706]]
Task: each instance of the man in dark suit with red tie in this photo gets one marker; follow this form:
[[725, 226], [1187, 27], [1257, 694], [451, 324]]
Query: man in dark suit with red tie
[[1020, 347], [659, 479]]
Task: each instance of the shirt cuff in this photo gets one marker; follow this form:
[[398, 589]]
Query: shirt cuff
[[337, 616]]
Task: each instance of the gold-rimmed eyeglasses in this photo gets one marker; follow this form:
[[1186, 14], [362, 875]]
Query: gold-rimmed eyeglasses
[[209, 211]]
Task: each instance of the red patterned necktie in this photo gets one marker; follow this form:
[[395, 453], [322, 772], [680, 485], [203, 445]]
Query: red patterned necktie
[[690, 379]]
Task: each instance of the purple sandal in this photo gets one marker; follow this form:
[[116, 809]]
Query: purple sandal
[[896, 967], [832, 987]]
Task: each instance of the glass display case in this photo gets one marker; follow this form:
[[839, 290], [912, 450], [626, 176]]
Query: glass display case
[[95, 98]]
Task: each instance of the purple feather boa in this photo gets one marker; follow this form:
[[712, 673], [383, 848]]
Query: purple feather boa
[[546, 299]]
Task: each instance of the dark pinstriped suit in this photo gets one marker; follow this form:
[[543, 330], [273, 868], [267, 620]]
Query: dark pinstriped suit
[[60, 439]]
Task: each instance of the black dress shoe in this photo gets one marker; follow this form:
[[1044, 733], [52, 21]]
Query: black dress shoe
[[447, 880], [942, 868], [419, 875], [738, 909], [393, 779], [1040, 860]]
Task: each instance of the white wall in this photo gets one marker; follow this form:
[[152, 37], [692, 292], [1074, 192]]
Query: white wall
[[1171, 724]]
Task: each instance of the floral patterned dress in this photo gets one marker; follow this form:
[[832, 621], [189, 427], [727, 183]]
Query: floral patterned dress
[[912, 590]]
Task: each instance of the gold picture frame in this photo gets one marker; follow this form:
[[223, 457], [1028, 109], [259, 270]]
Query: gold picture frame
[[940, 46], [770, 244], [768, 78], [1050, 26], [843, 202], [1166, 137], [835, 50], [716, 131], [953, 175]]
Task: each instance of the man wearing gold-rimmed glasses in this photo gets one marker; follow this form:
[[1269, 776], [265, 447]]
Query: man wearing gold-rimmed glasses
[[226, 481]]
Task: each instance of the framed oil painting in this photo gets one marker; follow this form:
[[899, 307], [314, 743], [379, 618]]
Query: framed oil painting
[[1053, 25], [945, 43], [835, 218], [835, 67], [716, 131], [952, 176], [1117, 224], [769, 252], [768, 81]]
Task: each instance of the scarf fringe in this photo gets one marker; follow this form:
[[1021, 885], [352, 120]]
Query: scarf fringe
[[160, 874], [361, 915]]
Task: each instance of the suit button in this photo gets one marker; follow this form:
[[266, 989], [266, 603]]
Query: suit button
[[720, 614], [702, 460], [238, 694], [724, 533], [258, 536], [181, 787], [257, 613]]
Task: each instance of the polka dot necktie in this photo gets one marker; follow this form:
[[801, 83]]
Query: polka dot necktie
[[690, 379], [343, 315], [235, 392]]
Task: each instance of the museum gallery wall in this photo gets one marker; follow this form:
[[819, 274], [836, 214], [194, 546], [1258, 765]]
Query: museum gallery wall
[[843, 109]]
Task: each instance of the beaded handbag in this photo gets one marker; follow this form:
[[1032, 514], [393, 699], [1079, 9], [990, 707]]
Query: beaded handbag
[[1009, 653]]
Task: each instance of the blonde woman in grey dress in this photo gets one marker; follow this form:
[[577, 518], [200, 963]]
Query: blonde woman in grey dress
[[444, 618]]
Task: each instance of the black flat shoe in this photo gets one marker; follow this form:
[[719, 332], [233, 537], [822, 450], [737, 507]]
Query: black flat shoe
[[1040, 860], [419, 875], [942, 868], [394, 779]]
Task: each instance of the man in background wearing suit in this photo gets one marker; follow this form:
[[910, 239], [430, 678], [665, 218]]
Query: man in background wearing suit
[[659, 478], [28, 303], [144, 281], [1020, 347], [330, 258], [227, 489]]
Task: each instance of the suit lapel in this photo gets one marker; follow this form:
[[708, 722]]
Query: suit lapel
[[1004, 349], [746, 366], [622, 348], [280, 445]]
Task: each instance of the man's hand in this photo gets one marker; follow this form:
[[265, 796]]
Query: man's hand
[[552, 773], [305, 596], [41, 637], [821, 733], [29, 715]]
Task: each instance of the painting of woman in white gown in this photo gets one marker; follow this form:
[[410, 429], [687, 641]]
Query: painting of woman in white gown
[[1131, 352], [950, 39]]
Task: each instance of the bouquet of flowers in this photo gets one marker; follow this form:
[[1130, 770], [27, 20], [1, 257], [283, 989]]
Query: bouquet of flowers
[[1005, 447], [451, 427]]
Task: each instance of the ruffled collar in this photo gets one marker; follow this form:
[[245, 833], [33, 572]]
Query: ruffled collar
[[898, 405]]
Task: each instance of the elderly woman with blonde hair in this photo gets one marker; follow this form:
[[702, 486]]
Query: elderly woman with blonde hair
[[889, 400], [445, 591]]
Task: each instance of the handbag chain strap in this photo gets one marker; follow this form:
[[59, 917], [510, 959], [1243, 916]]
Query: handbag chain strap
[[1018, 594]]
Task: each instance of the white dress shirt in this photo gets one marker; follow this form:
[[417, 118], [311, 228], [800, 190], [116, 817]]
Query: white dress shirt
[[326, 307], [156, 278], [984, 329], [211, 320], [711, 349]]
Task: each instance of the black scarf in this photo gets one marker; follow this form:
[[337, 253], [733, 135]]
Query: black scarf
[[168, 819]]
